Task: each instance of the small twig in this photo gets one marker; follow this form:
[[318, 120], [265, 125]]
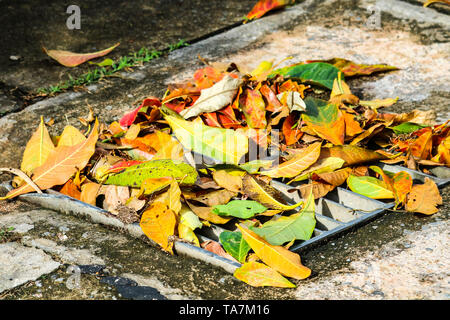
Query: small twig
[[23, 175]]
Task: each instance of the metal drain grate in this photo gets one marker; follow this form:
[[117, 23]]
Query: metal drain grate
[[338, 211]]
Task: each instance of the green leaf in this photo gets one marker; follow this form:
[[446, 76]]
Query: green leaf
[[318, 73], [243, 209], [370, 187], [298, 226], [235, 245], [225, 145], [407, 127], [135, 175]]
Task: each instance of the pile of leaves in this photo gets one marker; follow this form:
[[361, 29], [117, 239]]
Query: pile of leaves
[[185, 161]]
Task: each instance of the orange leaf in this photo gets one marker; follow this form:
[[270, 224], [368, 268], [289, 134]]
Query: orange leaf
[[424, 198], [254, 108], [61, 164], [215, 247], [38, 148], [158, 223], [207, 77], [258, 275], [70, 59], [264, 6], [352, 155]]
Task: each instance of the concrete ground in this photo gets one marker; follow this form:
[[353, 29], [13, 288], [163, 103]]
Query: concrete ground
[[398, 256]]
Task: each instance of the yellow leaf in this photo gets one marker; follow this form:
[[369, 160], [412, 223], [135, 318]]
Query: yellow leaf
[[265, 194], [279, 258], [71, 136], [61, 164], [424, 198], [206, 213], [38, 148]]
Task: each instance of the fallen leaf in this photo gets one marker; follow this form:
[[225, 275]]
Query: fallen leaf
[[152, 185], [234, 244], [264, 6], [259, 275], [70, 136], [225, 145], [70, 189], [350, 68], [325, 120], [215, 247], [322, 74], [89, 192], [158, 223], [216, 198], [37, 150], [70, 59], [277, 257], [370, 187], [128, 119], [353, 155], [322, 165], [293, 100], [298, 226], [243, 209], [427, 3], [206, 213], [291, 135], [225, 180], [424, 198], [215, 98], [186, 233], [115, 196], [60, 165], [265, 194], [254, 108], [317, 188], [135, 175], [300, 162]]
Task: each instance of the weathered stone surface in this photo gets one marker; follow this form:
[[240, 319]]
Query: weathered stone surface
[[413, 267], [19, 264], [135, 24], [65, 254]]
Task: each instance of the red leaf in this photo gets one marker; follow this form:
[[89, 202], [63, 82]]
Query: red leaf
[[128, 119]]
